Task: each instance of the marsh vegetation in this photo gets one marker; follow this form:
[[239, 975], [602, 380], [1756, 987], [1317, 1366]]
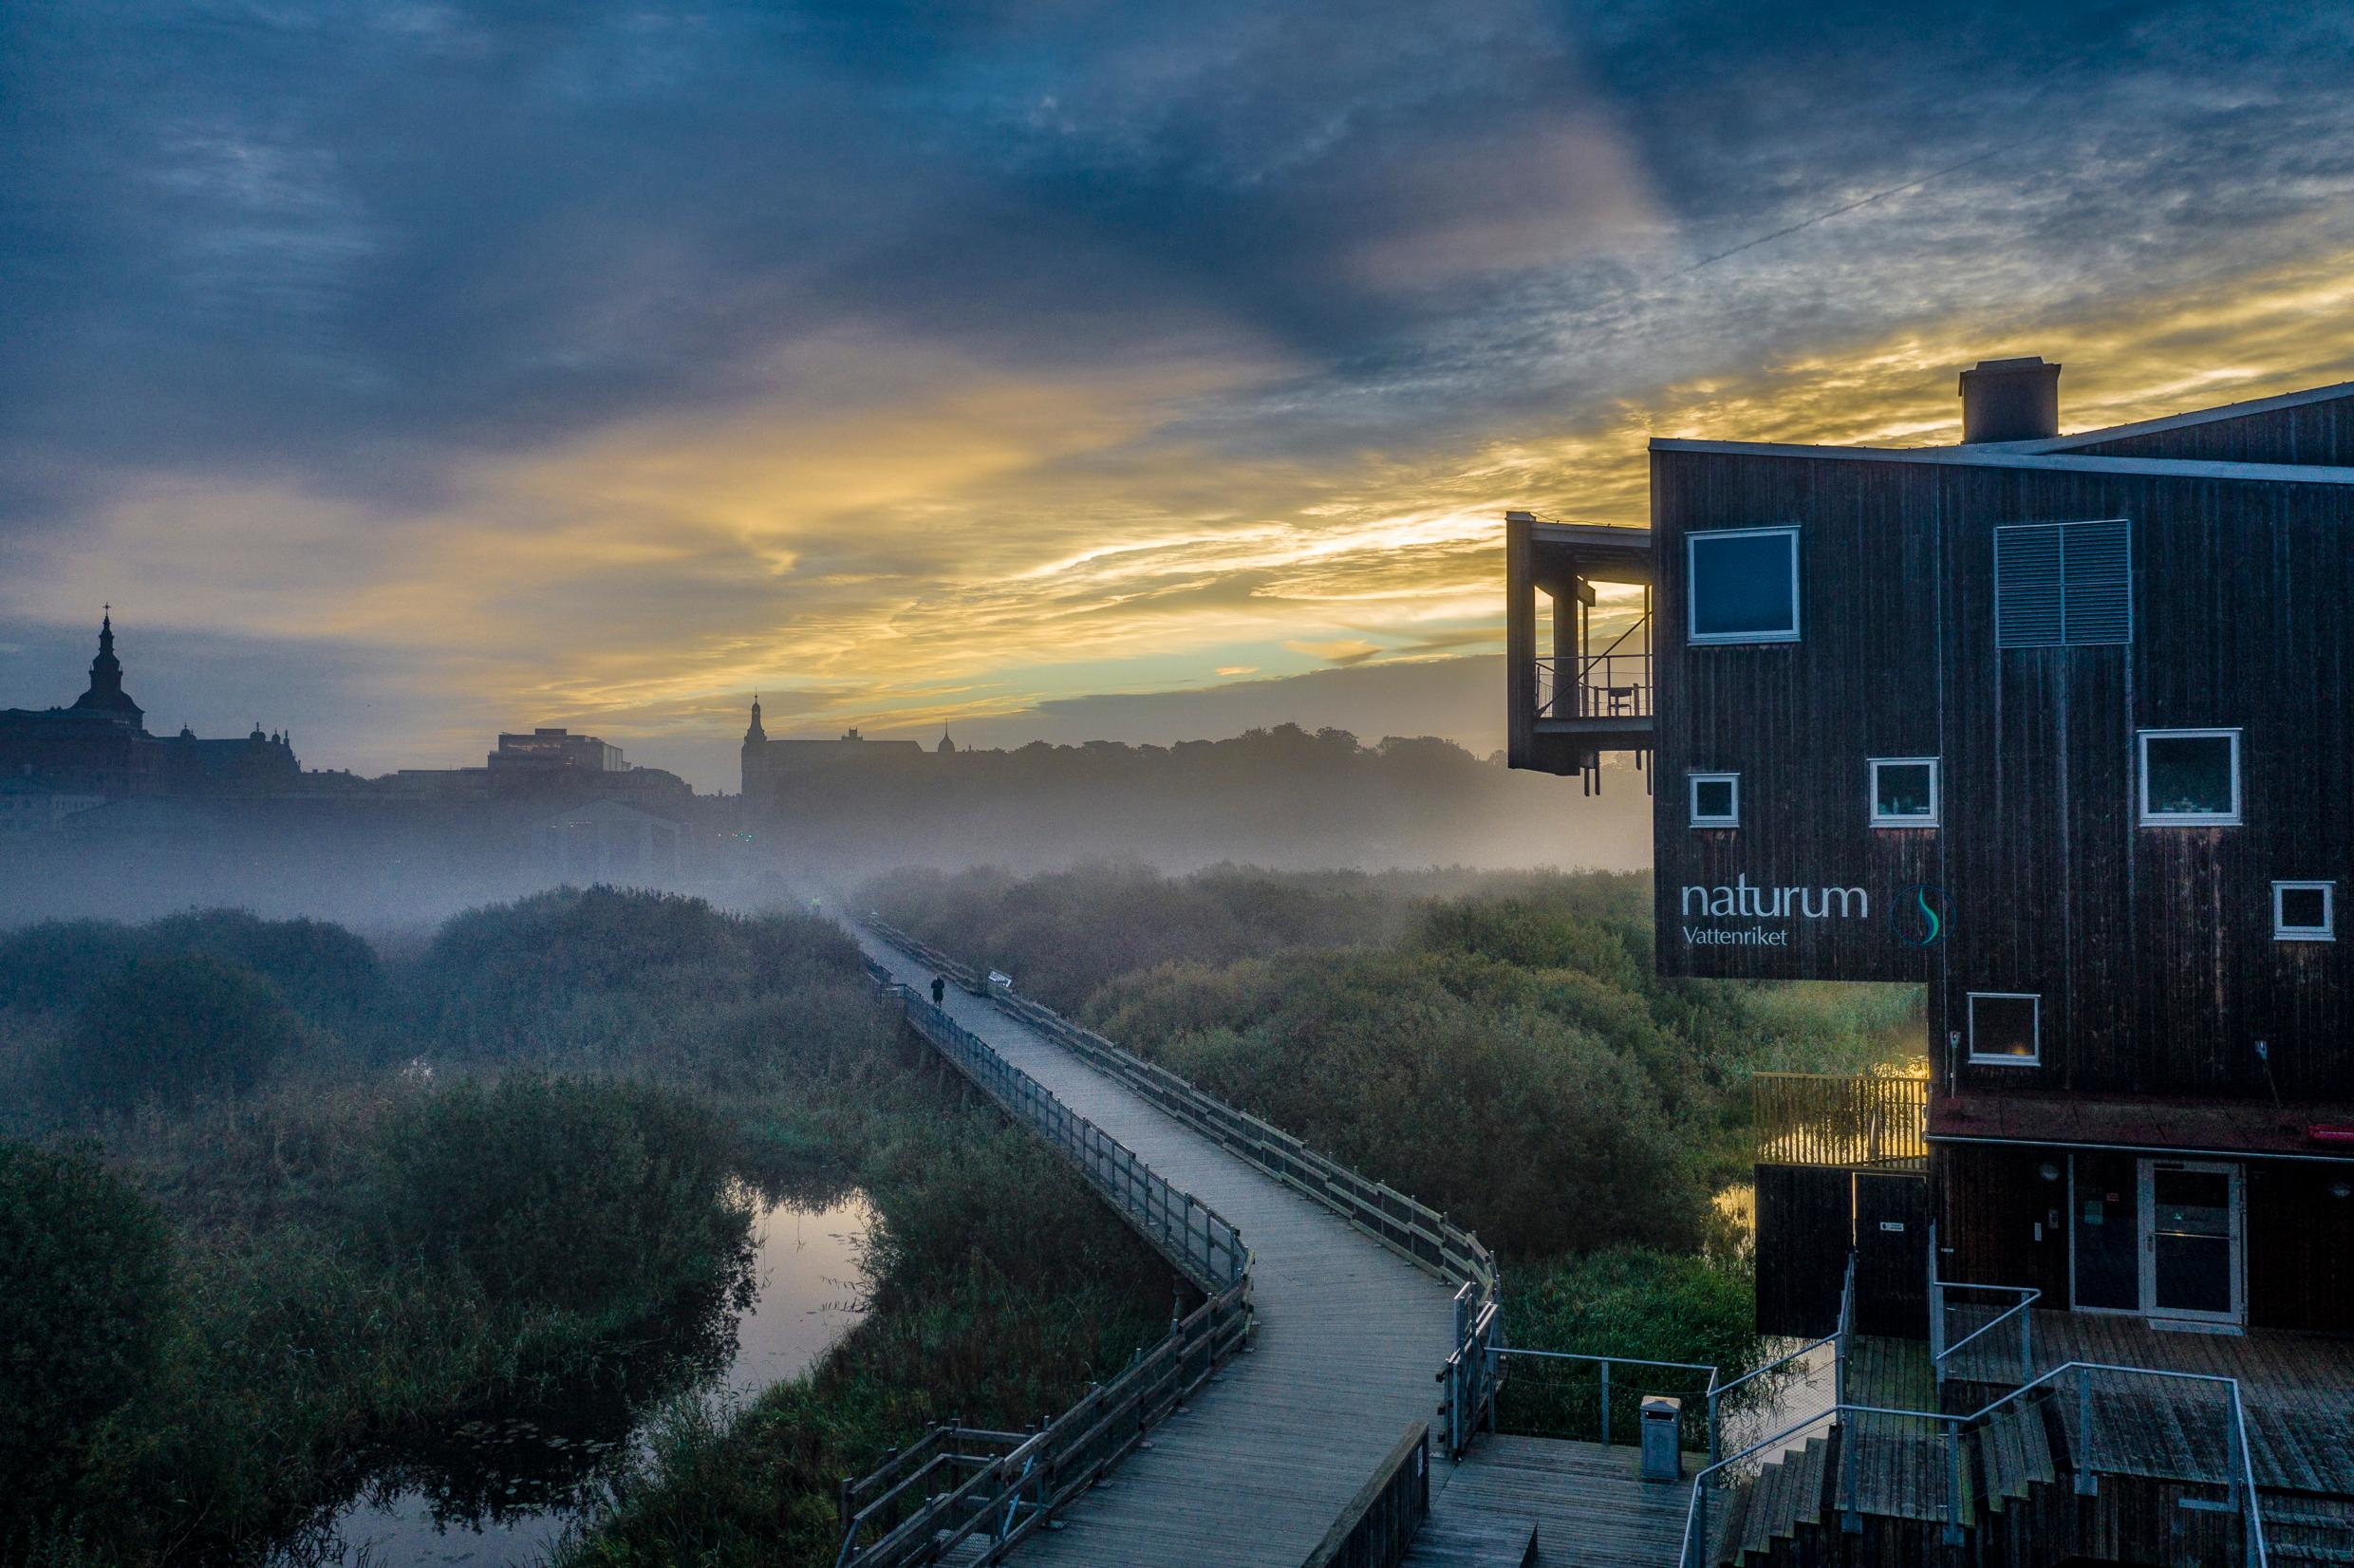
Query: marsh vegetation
[[290, 1224], [460, 1225]]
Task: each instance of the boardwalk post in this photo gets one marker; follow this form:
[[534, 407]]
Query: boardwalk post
[[1605, 1404], [1952, 1482]]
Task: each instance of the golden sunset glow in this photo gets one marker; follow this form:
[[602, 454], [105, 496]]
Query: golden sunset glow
[[956, 373], [944, 543]]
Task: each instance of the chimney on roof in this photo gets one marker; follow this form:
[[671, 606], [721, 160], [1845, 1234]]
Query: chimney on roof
[[2010, 400]]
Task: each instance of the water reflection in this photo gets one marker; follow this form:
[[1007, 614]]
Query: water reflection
[[500, 1488]]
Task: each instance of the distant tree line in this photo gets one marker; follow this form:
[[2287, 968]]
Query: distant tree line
[[1281, 796]]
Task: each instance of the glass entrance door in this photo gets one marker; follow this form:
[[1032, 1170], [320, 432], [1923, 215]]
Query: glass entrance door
[[2190, 1244]]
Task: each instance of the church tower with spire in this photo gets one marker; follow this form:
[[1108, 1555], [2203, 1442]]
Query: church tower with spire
[[106, 697], [756, 753]]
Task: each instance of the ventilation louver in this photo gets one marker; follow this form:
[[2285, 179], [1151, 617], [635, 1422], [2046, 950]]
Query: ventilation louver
[[2063, 585]]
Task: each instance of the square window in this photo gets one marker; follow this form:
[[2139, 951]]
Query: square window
[[2005, 1027], [1741, 585], [1717, 800], [2305, 911], [1904, 792], [2190, 778]]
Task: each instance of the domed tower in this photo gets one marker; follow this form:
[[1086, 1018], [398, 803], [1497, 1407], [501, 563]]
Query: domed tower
[[107, 696], [946, 746], [756, 753]]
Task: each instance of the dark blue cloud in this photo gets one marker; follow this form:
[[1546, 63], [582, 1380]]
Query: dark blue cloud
[[348, 240]]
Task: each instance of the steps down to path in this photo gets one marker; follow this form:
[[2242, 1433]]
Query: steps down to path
[[1783, 1496], [1473, 1541], [2015, 1453]]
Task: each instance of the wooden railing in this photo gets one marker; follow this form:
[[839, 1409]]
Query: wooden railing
[[1185, 1230], [1380, 1522], [1412, 1230], [1407, 1226], [1821, 1119], [978, 1493], [964, 1492]]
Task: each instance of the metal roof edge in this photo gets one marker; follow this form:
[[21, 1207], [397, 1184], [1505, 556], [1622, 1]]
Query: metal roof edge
[[1989, 457]]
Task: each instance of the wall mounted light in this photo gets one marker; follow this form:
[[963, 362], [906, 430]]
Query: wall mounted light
[[2341, 1189], [2049, 1172]]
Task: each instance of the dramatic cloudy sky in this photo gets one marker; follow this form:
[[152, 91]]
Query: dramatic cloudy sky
[[404, 371]]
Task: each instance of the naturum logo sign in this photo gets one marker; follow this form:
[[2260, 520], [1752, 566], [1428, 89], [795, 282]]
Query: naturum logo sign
[[1916, 917], [1743, 901]]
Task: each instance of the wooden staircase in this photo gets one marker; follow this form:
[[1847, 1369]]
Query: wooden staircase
[[2012, 1453], [1792, 1507], [1770, 1511]]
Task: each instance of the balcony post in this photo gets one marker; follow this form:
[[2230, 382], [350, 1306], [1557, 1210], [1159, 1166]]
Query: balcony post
[[1520, 637]]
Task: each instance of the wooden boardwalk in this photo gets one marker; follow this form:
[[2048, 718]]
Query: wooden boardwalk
[[1350, 1340]]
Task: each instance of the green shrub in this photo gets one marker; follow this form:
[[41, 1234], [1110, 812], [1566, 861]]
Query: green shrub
[[173, 1028], [1632, 1302], [55, 967], [608, 976], [596, 1196], [323, 970], [86, 1262], [1522, 1104]]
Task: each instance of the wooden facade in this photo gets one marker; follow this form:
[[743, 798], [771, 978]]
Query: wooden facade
[[2150, 948], [2163, 1014]]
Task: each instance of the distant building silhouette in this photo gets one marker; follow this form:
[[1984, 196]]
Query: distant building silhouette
[[550, 763], [766, 763], [100, 746]]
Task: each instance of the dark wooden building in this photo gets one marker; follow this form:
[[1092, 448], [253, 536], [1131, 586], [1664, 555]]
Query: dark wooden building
[[2059, 727]]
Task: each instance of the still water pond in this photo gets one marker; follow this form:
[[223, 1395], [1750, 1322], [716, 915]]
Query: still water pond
[[501, 1490]]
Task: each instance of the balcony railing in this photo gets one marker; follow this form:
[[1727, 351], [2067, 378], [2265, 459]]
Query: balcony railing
[[1818, 1119], [1604, 685]]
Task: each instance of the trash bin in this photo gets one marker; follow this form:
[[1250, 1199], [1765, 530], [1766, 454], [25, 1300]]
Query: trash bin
[[1663, 1445]]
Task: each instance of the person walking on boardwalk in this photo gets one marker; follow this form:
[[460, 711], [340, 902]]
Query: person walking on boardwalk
[[940, 991]]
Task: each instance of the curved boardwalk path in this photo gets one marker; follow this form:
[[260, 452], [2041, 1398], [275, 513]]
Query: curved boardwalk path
[[1350, 1340]]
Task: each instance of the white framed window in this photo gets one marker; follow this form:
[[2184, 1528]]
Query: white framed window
[[2005, 1027], [2190, 778], [1715, 799], [1904, 792], [2305, 911], [1741, 585], [2063, 585]]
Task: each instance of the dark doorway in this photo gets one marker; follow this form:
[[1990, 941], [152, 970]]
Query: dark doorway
[[1891, 1254], [1803, 1228], [2107, 1226]]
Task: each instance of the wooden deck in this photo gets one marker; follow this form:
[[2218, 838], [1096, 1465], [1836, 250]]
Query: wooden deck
[[1590, 1508], [2298, 1388]]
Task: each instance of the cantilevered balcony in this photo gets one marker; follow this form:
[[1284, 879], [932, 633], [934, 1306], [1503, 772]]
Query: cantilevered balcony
[[1591, 691]]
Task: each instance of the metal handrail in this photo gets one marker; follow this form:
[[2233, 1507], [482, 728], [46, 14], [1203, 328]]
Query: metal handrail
[[2028, 1296], [1498, 1355], [1550, 688], [1695, 1512]]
